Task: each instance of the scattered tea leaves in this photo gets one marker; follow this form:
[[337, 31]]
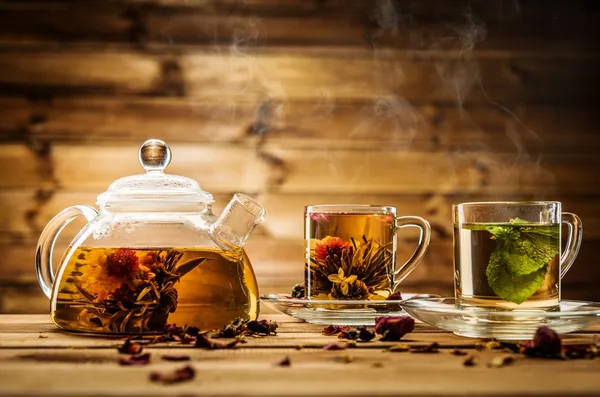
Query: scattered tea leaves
[[581, 351], [331, 330], [262, 327], [130, 347], [364, 335], [334, 346], [394, 328], [469, 361], [179, 375], [237, 327], [284, 362], [140, 359], [204, 342], [399, 348], [349, 335], [501, 361], [176, 357], [432, 348], [458, 352]]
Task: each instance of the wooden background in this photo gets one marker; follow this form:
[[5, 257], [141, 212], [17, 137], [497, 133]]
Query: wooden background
[[413, 103]]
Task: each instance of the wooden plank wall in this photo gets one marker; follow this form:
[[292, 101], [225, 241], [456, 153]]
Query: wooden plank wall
[[418, 104]]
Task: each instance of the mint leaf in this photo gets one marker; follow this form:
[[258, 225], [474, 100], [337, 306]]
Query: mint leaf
[[510, 287], [519, 263]]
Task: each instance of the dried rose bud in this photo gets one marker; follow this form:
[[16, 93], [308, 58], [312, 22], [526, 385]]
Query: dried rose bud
[[130, 347], [365, 335], [394, 328], [331, 330], [547, 341], [142, 359], [179, 375]]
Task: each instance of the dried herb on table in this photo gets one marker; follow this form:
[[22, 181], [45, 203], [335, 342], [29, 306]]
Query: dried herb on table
[[179, 375], [349, 335], [364, 335], [124, 290], [469, 361], [141, 359], [431, 348], [334, 329], [501, 361], [545, 343], [204, 342], [240, 327], [458, 352], [350, 270], [394, 328], [130, 347], [285, 362], [261, 327]]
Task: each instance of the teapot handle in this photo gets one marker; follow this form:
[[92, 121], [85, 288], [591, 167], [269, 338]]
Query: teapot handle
[[45, 246]]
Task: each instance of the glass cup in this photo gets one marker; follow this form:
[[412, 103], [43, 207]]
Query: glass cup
[[507, 255], [351, 251]]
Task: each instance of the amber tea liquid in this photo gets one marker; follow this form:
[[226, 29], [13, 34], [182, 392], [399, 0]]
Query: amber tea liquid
[[505, 266], [349, 255], [121, 290]]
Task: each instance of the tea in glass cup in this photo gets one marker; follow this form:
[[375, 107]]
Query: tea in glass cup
[[351, 251], [507, 255]]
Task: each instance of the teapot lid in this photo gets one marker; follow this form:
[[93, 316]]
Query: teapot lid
[[154, 187]]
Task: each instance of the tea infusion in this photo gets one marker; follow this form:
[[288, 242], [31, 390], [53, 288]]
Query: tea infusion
[[121, 290], [351, 255], [507, 265]]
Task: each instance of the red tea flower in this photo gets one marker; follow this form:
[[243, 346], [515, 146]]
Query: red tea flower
[[330, 246], [122, 262]]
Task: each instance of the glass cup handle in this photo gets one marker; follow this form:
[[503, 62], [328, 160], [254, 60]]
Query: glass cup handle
[[573, 242], [45, 246], [425, 237]]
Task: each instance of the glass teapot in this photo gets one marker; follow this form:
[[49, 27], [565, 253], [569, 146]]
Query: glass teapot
[[154, 254]]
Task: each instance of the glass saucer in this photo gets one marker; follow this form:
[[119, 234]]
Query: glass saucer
[[507, 325], [338, 312]]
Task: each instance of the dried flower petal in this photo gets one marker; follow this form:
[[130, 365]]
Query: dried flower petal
[[179, 375], [176, 357], [237, 327], [394, 328], [204, 342], [365, 335], [130, 347], [469, 361], [501, 361], [122, 262], [262, 327], [285, 362], [331, 246], [431, 348], [141, 359], [349, 335], [334, 346], [334, 329]]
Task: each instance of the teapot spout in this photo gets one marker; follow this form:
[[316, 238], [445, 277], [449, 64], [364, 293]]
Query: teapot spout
[[232, 229]]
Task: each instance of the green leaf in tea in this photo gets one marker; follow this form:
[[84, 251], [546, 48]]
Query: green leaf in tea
[[518, 265]]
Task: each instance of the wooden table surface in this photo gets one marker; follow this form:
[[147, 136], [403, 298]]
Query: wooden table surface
[[36, 359]]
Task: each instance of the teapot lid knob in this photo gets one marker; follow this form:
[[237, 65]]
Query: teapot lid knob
[[154, 155]]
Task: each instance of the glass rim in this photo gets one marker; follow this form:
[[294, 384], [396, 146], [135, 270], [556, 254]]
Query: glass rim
[[511, 203], [350, 209]]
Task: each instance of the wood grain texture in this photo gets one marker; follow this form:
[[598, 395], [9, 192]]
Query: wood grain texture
[[45, 367], [409, 103]]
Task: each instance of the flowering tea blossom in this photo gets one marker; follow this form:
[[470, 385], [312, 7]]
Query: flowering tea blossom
[[330, 246]]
